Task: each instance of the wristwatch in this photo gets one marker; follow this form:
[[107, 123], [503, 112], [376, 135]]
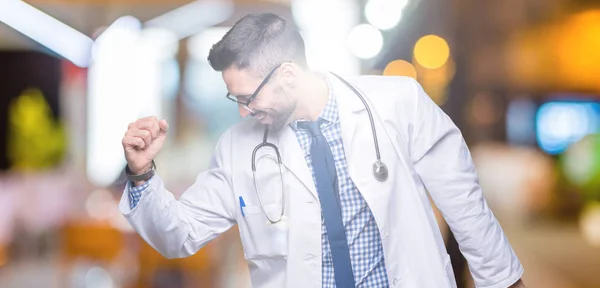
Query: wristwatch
[[141, 177]]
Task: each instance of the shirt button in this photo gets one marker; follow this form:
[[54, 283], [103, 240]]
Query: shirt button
[[309, 256], [396, 281]]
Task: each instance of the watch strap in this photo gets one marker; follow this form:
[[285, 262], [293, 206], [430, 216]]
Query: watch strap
[[141, 177]]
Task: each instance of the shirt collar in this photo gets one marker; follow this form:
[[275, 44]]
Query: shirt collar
[[330, 111]]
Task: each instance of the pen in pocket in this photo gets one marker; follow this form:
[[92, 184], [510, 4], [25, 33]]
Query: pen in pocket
[[242, 205]]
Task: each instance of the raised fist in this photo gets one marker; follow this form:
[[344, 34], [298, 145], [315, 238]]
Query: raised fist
[[142, 142]]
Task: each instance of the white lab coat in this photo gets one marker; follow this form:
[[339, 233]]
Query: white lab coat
[[424, 152]]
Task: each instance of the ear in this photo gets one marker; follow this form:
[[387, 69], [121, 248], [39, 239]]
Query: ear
[[289, 73]]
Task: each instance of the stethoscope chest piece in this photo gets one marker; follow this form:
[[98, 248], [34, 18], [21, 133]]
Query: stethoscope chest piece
[[380, 171]]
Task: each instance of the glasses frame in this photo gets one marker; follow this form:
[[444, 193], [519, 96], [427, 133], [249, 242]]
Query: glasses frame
[[262, 84]]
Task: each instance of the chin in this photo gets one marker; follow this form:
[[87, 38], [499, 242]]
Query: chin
[[276, 126]]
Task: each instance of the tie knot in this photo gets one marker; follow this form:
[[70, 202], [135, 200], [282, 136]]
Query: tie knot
[[311, 126]]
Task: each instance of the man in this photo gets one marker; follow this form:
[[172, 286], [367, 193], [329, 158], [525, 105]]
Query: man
[[330, 219]]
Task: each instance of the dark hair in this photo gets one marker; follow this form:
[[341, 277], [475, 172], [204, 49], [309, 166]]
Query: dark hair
[[258, 42]]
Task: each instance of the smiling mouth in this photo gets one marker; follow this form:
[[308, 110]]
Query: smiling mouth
[[259, 115]]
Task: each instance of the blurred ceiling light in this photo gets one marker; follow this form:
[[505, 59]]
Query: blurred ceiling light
[[194, 17], [431, 51], [160, 43], [46, 30], [126, 81], [384, 14], [125, 30], [112, 90], [200, 44], [400, 68], [365, 41]]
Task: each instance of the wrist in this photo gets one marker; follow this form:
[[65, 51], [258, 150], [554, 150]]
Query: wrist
[[140, 177], [140, 170]]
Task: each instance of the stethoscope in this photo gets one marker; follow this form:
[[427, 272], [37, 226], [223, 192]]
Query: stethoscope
[[380, 170]]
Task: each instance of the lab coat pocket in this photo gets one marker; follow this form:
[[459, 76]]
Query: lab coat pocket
[[261, 238]]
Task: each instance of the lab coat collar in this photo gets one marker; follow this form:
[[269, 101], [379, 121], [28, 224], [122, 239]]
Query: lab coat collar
[[350, 109], [346, 98]]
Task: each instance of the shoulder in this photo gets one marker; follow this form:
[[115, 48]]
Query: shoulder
[[387, 86], [396, 94]]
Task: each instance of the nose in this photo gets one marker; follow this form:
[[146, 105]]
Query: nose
[[244, 110]]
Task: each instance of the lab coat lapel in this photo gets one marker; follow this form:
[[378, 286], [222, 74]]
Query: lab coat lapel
[[293, 158], [350, 109], [360, 150], [360, 153]]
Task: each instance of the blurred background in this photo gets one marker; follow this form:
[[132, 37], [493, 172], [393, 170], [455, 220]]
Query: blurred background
[[519, 77]]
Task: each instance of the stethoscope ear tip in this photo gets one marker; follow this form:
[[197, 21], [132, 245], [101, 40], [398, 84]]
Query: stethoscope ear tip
[[380, 171]]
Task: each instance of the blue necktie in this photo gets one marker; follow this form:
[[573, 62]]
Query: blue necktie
[[324, 169]]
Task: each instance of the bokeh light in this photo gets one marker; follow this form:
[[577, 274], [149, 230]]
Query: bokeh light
[[200, 44], [520, 121], [589, 223], [435, 81], [365, 41], [576, 49], [384, 14], [483, 109], [560, 124], [431, 51], [400, 68], [581, 165]]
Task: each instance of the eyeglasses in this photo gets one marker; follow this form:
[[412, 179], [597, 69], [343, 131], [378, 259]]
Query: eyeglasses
[[246, 102]]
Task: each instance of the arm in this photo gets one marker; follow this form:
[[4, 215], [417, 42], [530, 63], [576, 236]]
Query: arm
[[179, 228], [443, 161]]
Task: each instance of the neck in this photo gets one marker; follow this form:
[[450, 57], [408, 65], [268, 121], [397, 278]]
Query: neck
[[313, 94]]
